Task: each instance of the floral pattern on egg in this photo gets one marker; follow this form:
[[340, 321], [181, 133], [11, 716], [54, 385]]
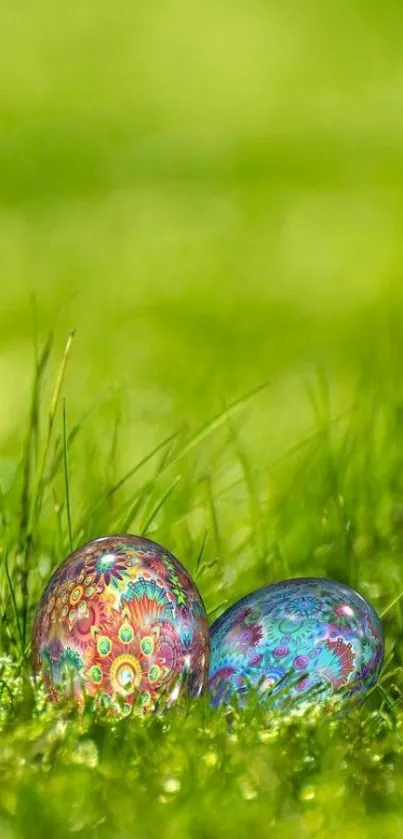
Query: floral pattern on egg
[[301, 639], [121, 620]]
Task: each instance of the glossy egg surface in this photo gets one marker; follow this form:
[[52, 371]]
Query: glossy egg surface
[[299, 639], [122, 620]]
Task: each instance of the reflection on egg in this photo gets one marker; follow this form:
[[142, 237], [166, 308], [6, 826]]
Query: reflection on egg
[[301, 639], [122, 620]]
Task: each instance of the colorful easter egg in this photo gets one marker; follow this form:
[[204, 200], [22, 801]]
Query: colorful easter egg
[[301, 639], [121, 620]]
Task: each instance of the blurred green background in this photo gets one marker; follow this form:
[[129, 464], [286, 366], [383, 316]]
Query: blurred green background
[[209, 193]]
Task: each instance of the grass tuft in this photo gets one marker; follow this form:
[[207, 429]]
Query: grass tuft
[[236, 524]]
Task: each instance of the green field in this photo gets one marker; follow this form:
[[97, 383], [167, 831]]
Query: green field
[[211, 195]]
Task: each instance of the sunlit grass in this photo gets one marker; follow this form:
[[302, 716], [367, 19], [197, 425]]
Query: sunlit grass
[[330, 507]]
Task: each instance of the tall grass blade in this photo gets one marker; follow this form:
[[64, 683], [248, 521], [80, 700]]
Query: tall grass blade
[[66, 477], [151, 518]]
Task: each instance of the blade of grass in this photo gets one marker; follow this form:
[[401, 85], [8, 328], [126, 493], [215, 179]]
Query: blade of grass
[[32, 433], [36, 493], [255, 512], [214, 518], [123, 526], [66, 477], [119, 484], [111, 460], [159, 505], [30, 455], [199, 560], [391, 604], [207, 429], [73, 433], [293, 450], [219, 420], [14, 605], [35, 337], [142, 495]]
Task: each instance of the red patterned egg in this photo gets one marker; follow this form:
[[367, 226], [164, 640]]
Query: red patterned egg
[[121, 620]]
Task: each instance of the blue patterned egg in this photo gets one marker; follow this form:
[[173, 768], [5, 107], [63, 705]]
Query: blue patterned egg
[[300, 639]]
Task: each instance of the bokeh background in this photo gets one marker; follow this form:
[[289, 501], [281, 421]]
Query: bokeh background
[[211, 195]]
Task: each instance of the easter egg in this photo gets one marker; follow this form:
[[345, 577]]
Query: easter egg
[[298, 640], [121, 620]]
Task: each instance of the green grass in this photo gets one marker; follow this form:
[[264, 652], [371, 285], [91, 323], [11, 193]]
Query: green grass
[[331, 506], [210, 196]]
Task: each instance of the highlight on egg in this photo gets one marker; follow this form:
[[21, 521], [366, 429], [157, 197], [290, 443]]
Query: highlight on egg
[[299, 640], [121, 620]]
